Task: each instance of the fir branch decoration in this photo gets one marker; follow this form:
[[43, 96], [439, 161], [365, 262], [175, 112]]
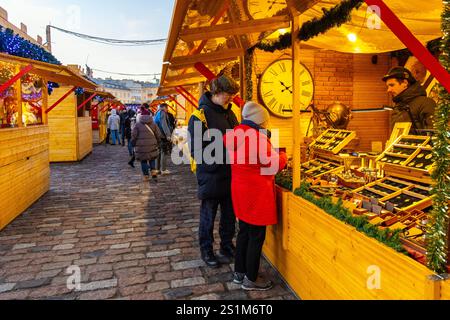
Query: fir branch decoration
[[437, 230], [388, 237], [331, 18], [334, 17], [248, 75]]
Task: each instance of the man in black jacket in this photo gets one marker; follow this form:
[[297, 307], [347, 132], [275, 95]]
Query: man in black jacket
[[214, 177], [410, 99]]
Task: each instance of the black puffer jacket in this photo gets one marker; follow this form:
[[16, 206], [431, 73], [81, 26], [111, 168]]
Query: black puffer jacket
[[415, 99], [146, 142], [214, 180]]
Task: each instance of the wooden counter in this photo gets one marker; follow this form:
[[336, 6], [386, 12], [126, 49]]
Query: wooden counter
[[322, 258]]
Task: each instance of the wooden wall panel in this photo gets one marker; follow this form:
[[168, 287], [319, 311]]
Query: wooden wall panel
[[63, 139], [24, 170], [370, 127], [85, 139]]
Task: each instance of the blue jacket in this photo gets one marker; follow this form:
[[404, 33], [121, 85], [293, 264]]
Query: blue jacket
[[214, 180]]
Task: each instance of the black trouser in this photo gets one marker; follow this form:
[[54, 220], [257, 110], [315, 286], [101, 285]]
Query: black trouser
[[227, 226], [249, 245]]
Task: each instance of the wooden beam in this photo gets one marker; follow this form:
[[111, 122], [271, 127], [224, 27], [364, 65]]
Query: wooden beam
[[296, 8], [181, 77], [209, 64], [235, 29], [179, 13], [185, 82], [206, 57]]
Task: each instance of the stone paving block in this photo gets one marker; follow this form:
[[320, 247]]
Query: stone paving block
[[63, 247], [157, 286], [24, 246], [6, 287], [159, 254], [181, 293], [98, 285], [33, 283], [98, 295], [188, 264], [206, 297], [187, 282]]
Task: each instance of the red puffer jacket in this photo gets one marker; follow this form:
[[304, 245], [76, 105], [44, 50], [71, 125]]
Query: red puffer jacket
[[254, 164]]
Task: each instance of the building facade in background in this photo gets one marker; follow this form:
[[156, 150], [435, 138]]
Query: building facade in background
[[129, 91]]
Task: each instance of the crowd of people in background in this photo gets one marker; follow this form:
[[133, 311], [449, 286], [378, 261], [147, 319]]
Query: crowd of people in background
[[148, 137]]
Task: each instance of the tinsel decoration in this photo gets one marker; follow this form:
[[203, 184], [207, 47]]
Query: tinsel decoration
[[15, 45], [437, 229]]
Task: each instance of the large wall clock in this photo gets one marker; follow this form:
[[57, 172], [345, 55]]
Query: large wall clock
[[260, 9], [275, 88]]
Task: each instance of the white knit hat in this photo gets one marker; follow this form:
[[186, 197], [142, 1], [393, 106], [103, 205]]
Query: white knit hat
[[254, 112]]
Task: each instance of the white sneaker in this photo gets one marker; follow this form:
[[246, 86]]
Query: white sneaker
[[165, 172]]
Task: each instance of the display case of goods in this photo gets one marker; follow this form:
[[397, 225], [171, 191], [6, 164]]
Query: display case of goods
[[333, 140], [318, 167], [414, 152]]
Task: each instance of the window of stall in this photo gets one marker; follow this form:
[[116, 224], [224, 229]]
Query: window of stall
[[8, 98], [32, 99]]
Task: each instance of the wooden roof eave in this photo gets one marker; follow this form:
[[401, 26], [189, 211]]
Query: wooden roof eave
[[179, 13], [51, 72]]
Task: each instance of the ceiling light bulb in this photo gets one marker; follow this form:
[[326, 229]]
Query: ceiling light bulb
[[352, 37]]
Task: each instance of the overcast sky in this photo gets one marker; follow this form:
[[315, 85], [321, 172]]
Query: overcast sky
[[128, 20]]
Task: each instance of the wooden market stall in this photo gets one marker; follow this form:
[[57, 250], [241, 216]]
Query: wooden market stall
[[24, 133], [320, 256], [70, 124], [98, 113]]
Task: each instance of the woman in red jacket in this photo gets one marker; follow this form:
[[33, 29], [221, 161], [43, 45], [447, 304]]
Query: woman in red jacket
[[254, 164]]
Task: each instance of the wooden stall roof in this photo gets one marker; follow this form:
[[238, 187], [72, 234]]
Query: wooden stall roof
[[218, 32], [103, 94], [51, 72]]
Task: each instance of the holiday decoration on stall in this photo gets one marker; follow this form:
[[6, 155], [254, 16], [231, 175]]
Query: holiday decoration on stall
[[15, 45], [79, 91], [331, 18], [437, 231], [50, 86]]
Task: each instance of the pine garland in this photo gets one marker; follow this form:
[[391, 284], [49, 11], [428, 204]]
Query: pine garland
[[248, 76], [437, 231], [331, 18], [361, 223]]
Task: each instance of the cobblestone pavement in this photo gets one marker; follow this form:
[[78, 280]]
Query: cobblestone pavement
[[130, 239]]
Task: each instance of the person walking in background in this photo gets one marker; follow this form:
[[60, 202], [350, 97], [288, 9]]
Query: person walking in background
[[123, 114], [114, 126], [145, 138], [162, 120], [127, 129], [254, 168], [214, 180]]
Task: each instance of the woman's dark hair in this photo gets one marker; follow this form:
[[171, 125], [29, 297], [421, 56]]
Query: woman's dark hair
[[145, 106], [224, 84]]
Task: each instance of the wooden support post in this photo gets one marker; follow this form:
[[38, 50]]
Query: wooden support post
[[87, 101], [175, 100], [242, 72], [44, 102], [60, 100], [186, 97], [194, 99], [297, 138], [18, 93]]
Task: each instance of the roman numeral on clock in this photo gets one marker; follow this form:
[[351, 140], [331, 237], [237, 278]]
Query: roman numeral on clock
[[283, 67], [273, 72], [272, 103], [306, 93], [268, 94]]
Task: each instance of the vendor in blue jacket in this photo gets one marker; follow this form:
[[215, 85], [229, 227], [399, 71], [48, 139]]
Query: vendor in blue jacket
[[212, 119]]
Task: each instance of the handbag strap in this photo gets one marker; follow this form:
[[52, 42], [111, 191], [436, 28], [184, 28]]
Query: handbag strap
[[150, 129]]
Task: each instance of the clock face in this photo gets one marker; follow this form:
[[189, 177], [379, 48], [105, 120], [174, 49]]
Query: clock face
[[259, 9], [275, 88]]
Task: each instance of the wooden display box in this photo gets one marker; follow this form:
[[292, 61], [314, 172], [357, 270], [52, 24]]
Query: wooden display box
[[333, 140]]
